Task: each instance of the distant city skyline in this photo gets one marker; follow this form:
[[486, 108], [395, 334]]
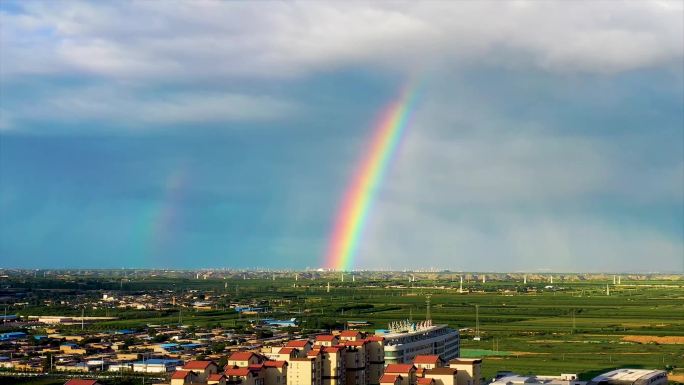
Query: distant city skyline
[[547, 135]]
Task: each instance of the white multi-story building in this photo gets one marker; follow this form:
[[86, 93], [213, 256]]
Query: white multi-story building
[[631, 377], [405, 340]]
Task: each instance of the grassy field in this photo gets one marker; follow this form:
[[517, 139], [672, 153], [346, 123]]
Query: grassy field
[[573, 327]]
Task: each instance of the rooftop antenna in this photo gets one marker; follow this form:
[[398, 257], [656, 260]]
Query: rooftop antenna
[[477, 323], [427, 303]]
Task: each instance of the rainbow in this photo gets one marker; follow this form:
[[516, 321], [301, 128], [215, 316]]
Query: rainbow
[[360, 194]]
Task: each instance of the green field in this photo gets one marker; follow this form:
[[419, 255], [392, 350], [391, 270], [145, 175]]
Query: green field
[[574, 327]]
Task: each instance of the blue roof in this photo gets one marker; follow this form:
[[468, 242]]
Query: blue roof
[[12, 335]]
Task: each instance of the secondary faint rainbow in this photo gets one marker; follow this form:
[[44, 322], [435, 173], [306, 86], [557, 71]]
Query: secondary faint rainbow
[[353, 212], [160, 221]]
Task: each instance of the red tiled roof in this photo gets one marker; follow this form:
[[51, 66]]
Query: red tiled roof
[[333, 349], [180, 374], [441, 371], [326, 337], [286, 350], [275, 364], [355, 343], [216, 377], [241, 356], [197, 364], [240, 372], [375, 338], [349, 333], [427, 359], [426, 381], [399, 368], [78, 381], [389, 378], [297, 344]]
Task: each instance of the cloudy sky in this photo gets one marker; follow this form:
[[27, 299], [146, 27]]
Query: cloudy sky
[[549, 136]]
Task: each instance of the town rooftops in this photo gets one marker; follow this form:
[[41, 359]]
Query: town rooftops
[[399, 368], [236, 371], [201, 365], [216, 377], [375, 338], [287, 350], [241, 356], [389, 378], [427, 359], [275, 364], [326, 337], [440, 371], [297, 343], [180, 374], [350, 333], [332, 349], [355, 343], [425, 381]]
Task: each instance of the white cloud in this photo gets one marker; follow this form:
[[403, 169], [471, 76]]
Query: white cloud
[[276, 39]]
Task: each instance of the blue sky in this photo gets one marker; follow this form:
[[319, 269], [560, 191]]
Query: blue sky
[[549, 135]]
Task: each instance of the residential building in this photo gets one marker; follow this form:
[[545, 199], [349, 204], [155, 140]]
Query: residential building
[[509, 378], [469, 370], [631, 377], [442, 376], [407, 372], [405, 340], [203, 369], [303, 371]]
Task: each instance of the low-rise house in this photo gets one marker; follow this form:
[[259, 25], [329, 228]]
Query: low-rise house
[[203, 369], [442, 376], [407, 372], [216, 379], [428, 361], [276, 372], [184, 377], [391, 379], [245, 359], [469, 370]]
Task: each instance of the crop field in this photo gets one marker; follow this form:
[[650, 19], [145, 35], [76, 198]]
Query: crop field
[[572, 326]]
